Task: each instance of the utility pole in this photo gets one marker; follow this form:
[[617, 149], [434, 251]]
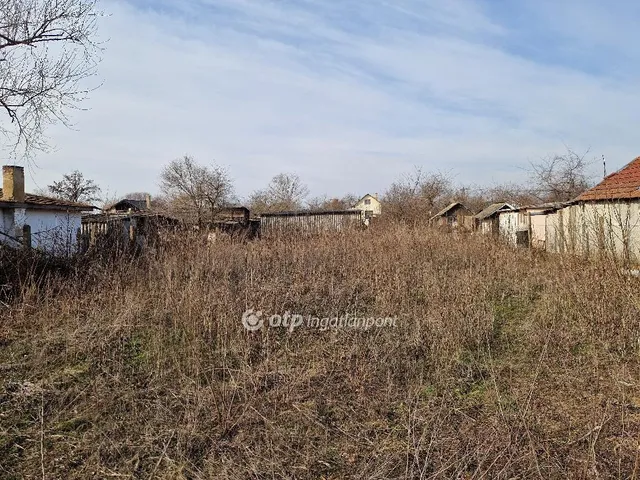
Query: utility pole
[[604, 166]]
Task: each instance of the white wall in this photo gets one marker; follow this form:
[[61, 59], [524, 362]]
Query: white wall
[[538, 221], [52, 231], [597, 228], [375, 206], [509, 226]]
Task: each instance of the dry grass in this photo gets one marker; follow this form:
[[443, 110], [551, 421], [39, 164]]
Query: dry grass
[[503, 364]]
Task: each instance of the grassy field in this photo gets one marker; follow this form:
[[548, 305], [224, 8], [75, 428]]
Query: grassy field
[[502, 364]]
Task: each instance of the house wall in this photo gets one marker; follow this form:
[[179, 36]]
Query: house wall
[[596, 229], [8, 224], [51, 231], [375, 206]]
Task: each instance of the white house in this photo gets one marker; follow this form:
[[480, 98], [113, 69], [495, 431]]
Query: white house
[[604, 220], [370, 205], [45, 223]]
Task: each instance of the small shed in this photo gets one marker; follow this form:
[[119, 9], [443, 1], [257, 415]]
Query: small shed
[[453, 215], [488, 220], [124, 229], [530, 225]]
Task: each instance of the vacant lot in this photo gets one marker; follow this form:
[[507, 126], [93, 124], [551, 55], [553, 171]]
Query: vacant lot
[[502, 364]]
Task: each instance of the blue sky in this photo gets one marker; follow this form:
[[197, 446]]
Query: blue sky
[[351, 94]]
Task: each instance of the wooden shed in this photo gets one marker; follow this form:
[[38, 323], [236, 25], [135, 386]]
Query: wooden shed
[[453, 215], [487, 221]]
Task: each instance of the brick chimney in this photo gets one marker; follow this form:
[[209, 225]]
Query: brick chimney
[[147, 200], [13, 183]]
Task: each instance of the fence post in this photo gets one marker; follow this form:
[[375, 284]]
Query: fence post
[[26, 236], [132, 233]]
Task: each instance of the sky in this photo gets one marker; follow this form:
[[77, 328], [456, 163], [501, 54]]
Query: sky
[[351, 95]]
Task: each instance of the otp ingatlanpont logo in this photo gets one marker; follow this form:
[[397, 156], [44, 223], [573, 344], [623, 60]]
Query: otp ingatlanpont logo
[[252, 321]]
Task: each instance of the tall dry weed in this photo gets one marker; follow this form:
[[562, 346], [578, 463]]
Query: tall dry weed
[[503, 364]]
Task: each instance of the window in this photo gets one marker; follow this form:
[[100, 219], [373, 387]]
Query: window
[[368, 213], [367, 201]]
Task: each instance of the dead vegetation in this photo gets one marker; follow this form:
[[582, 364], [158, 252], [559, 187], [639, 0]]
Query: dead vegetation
[[504, 364]]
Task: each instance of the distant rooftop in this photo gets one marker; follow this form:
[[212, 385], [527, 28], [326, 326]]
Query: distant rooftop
[[623, 184]]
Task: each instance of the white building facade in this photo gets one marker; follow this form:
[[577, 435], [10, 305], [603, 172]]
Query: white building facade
[[43, 223]]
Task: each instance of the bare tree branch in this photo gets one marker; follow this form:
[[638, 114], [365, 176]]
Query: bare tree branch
[[284, 192], [560, 177], [75, 188], [46, 53], [195, 191]]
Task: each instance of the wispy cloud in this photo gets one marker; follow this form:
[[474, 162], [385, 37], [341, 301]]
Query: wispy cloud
[[350, 95]]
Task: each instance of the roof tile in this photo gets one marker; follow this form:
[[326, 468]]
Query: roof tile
[[625, 183], [42, 201]]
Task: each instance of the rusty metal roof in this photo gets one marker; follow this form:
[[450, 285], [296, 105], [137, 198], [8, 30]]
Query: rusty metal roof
[[43, 202], [623, 184]]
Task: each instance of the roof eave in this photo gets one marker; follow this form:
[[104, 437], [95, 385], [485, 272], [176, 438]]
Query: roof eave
[[37, 206]]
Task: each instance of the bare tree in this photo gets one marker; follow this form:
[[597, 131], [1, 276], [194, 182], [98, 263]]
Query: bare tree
[[324, 203], [194, 190], [417, 195], [75, 188], [284, 192], [559, 178], [137, 195], [46, 51]]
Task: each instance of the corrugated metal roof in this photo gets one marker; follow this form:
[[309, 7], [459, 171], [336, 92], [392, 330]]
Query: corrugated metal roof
[[493, 208], [625, 183], [42, 201]]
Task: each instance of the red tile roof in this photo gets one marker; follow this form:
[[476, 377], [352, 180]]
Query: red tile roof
[[625, 183], [43, 202]]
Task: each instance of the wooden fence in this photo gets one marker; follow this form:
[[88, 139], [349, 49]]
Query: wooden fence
[[305, 223]]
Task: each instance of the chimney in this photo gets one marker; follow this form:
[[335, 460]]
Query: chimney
[[147, 199], [13, 183]]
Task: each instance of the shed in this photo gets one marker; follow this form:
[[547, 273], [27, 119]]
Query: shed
[[488, 220], [453, 215]]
